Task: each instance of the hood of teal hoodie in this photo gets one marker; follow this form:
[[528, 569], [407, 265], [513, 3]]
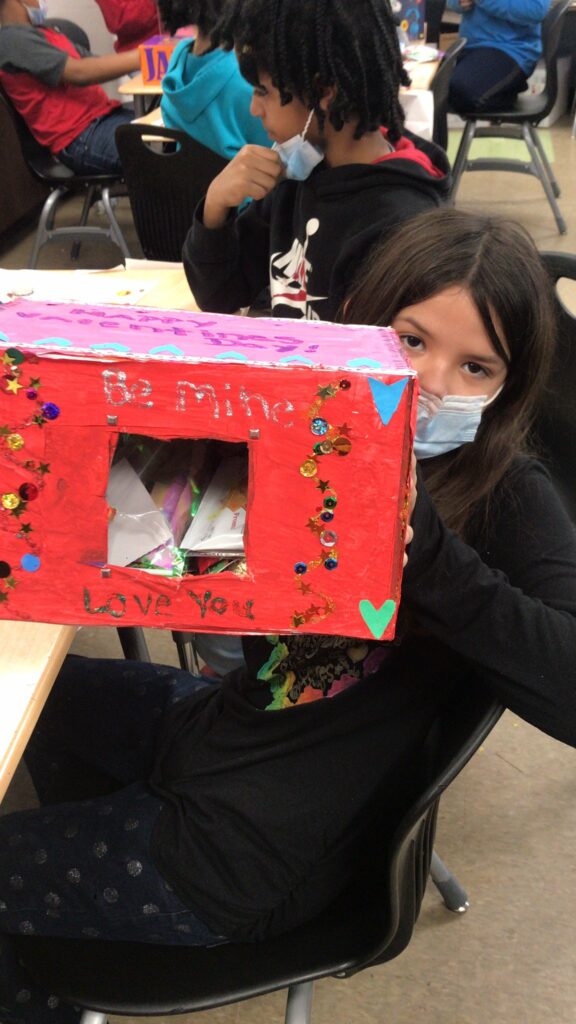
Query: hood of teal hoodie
[[195, 82]]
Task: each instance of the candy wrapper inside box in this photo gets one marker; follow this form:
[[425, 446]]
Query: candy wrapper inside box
[[202, 472]]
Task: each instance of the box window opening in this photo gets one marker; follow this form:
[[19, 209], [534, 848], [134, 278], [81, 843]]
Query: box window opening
[[177, 507]]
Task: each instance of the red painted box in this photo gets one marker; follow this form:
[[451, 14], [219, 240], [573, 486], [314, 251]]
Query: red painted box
[[322, 414]]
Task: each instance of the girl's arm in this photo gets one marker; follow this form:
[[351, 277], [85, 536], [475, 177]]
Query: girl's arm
[[511, 612], [228, 267]]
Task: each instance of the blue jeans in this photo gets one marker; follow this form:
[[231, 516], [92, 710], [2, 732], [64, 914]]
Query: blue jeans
[[81, 867], [94, 150], [485, 79]]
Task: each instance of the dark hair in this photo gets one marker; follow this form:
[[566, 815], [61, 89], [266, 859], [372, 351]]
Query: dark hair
[[174, 14], [308, 45], [497, 261]]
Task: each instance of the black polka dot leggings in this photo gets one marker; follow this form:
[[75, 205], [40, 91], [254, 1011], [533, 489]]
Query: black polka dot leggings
[[79, 866]]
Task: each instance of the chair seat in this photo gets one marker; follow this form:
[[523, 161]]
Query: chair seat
[[50, 170], [527, 108]]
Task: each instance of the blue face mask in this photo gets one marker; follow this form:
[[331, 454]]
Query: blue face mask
[[298, 156], [443, 424], [37, 15]]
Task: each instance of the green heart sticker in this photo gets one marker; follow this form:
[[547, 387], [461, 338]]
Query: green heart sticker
[[377, 619]]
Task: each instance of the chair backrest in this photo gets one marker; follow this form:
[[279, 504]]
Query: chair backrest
[[38, 158], [165, 184], [551, 29], [74, 32], [439, 86], [555, 427]]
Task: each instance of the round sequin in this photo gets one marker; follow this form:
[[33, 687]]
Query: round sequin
[[326, 447], [16, 882], [28, 492], [73, 876], [300, 568], [100, 849], [30, 563], [344, 384], [23, 996], [328, 538], [52, 899], [330, 502], [15, 355], [309, 468], [15, 442], [110, 895], [326, 517], [342, 445], [318, 426], [40, 857], [31, 393], [130, 824], [26, 928], [330, 563], [150, 908], [52, 1002], [134, 868], [4, 570], [50, 410], [10, 501]]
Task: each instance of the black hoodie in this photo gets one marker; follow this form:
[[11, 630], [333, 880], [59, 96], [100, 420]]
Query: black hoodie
[[308, 239]]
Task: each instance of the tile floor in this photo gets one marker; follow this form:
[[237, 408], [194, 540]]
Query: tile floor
[[507, 826]]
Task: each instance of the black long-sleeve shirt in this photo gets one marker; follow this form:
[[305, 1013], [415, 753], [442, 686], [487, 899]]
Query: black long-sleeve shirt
[[265, 808]]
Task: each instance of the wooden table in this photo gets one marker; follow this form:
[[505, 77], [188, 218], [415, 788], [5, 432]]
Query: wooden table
[[32, 653], [135, 87]]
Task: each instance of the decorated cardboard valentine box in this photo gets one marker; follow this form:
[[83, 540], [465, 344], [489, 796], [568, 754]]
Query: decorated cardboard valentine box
[[201, 472], [155, 56]]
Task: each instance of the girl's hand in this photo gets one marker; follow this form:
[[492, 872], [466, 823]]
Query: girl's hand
[[251, 174], [411, 503]]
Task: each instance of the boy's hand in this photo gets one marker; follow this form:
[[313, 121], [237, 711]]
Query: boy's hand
[[251, 174], [412, 501]]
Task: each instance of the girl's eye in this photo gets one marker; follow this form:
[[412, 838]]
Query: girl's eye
[[410, 341], [476, 370]]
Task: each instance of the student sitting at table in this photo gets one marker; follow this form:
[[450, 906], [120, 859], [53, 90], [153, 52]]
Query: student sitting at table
[[185, 813], [203, 92], [54, 86], [341, 174], [503, 45], [131, 21]]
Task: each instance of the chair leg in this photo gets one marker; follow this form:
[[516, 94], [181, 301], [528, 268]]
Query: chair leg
[[454, 896], [133, 643], [298, 1003], [117, 235], [187, 653], [544, 159], [44, 224], [88, 200], [462, 156], [93, 1017], [540, 169]]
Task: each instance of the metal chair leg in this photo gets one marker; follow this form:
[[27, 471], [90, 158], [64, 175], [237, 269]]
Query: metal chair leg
[[93, 1017], [45, 224], [462, 156], [116, 233], [535, 136], [298, 1003], [454, 896], [88, 200], [544, 179], [134, 643]]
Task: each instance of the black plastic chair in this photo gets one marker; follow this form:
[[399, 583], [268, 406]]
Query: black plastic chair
[[166, 179], [521, 122], [63, 183], [555, 426], [439, 87], [369, 923]]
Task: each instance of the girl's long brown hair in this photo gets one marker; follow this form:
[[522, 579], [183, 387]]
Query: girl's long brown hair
[[497, 261]]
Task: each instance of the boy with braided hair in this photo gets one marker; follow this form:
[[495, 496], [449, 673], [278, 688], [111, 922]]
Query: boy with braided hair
[[325, 77]]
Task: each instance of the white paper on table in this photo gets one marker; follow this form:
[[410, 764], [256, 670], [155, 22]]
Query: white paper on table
[[72, 286], [418, 106], [218, 525], [138, 526]]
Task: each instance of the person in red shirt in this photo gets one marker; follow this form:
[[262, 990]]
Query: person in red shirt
[[131, 21], [55, 87]]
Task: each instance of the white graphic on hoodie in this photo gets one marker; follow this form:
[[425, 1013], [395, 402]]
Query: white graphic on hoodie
[[289, 273]]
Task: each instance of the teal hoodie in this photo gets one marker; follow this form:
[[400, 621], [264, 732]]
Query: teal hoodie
[[208, 98]]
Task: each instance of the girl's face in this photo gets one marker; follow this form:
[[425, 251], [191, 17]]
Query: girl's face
[[449, 347], [281, 122]]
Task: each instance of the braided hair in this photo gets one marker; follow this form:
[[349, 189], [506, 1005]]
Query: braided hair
[[308, 45], [174, 14]]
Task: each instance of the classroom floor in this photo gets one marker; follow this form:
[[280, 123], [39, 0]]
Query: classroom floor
[[507, 827]]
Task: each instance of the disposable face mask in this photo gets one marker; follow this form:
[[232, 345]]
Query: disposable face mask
[[298, 156], [37, 15], [443, 424]]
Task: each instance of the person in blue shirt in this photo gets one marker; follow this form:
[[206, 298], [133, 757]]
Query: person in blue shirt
[[204, 93], [503, 46]]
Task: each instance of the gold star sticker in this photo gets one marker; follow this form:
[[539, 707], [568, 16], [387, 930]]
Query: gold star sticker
[[327, 392], [34, 382], [298, 620], [7, 360], [3, 597], [323, 485], [304, 587], [10, 582], [44, 467], [313, 525], [25, 528], [13, 386]]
